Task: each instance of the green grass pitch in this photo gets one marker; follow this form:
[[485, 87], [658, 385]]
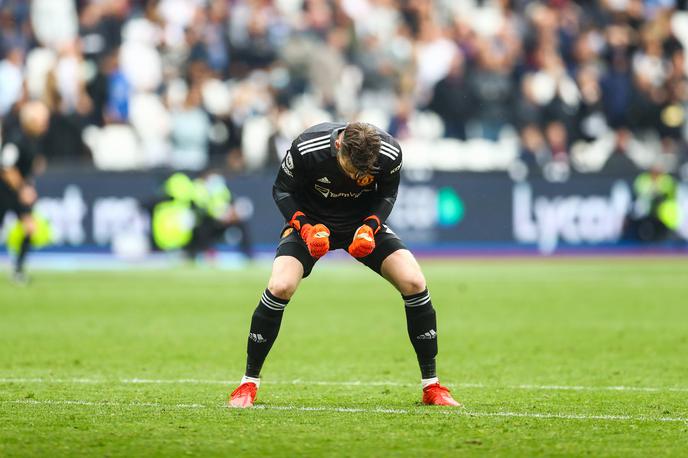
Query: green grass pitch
[[550, 357]]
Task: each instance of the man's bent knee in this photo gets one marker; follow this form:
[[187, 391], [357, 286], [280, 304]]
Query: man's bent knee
[[287, 272], [412, 284], [282, 288], [401, 269]]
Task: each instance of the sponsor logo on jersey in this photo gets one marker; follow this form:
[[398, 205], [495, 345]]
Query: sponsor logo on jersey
[[365, 180], [327, 193], [324, 180], [395, 169]]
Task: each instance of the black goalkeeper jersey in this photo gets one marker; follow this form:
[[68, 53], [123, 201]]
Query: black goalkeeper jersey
[[310, 180], [19, 151]]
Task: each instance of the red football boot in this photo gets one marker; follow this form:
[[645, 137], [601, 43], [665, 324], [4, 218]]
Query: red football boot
[[438, 395], [243, 396]]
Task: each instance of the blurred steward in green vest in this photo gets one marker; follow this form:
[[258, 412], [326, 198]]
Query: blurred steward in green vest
[[173, 216], [196, 214], [215, 215], [656, 211]]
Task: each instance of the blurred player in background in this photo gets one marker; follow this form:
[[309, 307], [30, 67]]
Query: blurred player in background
[[20, 158], [336, 187]]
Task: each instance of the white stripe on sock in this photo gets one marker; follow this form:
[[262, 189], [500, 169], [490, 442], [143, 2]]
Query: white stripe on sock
[[246, 379], [424, 299], [418, 304], [429, 381], [269, 303], [416, 300]]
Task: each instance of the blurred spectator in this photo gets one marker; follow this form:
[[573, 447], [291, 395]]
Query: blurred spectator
[[118, 91], [100, 28], [534, 153], [54, 22], [12, 79], [557, 140], [190, 132], [452, 99], [591, 122], [617, 82], [399, 123], [618, 162], [63, 142], [492, 83], [15, 28]]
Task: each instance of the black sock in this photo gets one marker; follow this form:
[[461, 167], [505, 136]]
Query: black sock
[[21, 256], [421, 323], [265, 326]]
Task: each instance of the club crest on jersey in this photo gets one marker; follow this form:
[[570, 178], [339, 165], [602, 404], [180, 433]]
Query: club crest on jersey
[[365, 180]]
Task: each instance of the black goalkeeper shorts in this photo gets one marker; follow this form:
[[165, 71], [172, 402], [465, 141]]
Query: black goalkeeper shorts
[[386, 243]]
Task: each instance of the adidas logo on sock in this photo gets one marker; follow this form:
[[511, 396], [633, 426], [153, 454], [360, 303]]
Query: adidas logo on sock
[[431, 334], [257, 338]]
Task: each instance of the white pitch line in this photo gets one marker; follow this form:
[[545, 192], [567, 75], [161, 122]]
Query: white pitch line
[[375, 410], [101, 403], [143, 381]]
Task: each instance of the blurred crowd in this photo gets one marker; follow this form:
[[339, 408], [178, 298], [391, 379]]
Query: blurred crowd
[[189, 84]]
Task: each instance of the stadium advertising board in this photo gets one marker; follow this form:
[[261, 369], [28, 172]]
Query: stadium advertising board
[[437, 210]]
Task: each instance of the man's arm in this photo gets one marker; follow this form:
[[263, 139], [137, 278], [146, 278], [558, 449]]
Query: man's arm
[[290, 179], [387, 188], [8, 170]]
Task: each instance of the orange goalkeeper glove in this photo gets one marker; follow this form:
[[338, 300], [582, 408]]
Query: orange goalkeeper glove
[[317, 239], [364, 238]]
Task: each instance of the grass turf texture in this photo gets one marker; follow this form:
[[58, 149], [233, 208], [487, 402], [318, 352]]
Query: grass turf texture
[[569, 330]]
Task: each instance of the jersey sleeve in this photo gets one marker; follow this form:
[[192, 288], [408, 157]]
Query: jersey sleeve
[[290, 179], [388, 180]]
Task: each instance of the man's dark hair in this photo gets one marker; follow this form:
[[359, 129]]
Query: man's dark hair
[[361, 145]]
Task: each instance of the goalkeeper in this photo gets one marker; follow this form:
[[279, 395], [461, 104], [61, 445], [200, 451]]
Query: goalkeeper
[[336, 186]]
